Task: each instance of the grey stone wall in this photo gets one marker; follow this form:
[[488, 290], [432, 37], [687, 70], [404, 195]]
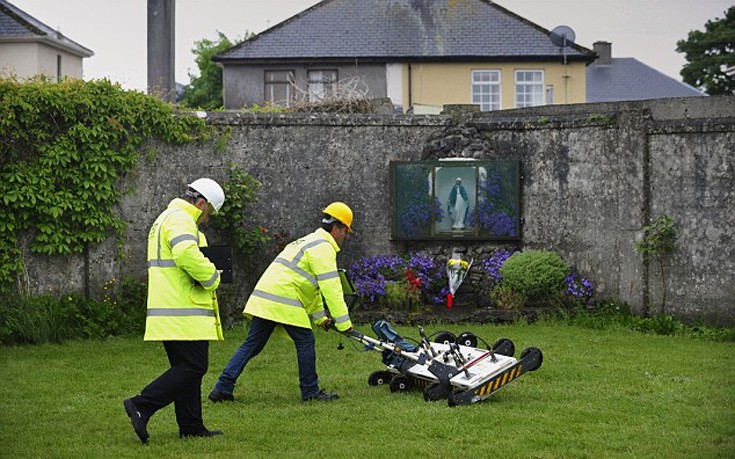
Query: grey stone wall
[[593, 175]]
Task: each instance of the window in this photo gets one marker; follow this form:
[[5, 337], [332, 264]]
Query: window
[[486, 89], [529, 88], [279, 87], [58, 68], [321, 83]]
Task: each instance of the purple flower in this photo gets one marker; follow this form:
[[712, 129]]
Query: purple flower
[[420, 213], [371, 274], [579, 287], [493, 213], [494, 263]]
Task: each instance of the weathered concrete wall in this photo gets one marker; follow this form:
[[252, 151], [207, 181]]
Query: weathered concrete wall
[[592, 178], [692, 180]]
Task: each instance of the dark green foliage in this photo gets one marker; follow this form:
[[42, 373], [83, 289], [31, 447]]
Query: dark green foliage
[[658, 243], [504, 297], [205, 91], [708, 54], [48, 319], [610, 313], [63, 149], [535, 274], [242, 191]]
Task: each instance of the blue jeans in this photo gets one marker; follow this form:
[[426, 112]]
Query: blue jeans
[[260, 332]]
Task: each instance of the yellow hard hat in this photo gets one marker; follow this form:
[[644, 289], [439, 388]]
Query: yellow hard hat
[[341, 212]]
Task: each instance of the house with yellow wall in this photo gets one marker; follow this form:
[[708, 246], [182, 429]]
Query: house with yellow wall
[[422, 54]]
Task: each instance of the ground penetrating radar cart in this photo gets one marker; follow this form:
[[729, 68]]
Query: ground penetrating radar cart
[[446, 366]]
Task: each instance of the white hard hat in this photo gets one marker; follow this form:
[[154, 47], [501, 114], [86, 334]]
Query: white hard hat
[[210, 190]]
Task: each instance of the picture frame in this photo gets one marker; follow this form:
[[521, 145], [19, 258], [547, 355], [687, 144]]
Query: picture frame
[[455, 199]]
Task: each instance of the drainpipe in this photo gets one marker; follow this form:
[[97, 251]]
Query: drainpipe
[[410, 96]]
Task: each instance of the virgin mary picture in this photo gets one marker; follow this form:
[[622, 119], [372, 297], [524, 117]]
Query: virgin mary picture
[[457, 205]]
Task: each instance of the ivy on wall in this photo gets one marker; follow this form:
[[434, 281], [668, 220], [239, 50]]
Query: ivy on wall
[[241, 191], [63, 148]]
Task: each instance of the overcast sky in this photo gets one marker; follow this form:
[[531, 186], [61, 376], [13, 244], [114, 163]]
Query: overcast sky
[[116, 29]]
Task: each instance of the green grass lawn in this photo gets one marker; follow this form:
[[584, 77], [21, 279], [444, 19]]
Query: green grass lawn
[[609, 393]]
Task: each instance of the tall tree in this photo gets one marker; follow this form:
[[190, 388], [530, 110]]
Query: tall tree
[[205, 91], [709, 54]]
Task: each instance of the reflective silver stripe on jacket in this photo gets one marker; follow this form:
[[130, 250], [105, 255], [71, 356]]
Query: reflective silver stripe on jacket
[[318, 315], [180, 312], [211, 280], [309, 245], [341, 319], [325, 276], [277, 298], [294, 267], [161, 263], [182, 238]]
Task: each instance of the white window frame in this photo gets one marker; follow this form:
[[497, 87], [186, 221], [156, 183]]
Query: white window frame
[[485, 89], [271, 84], [320, 82], [529, 92]]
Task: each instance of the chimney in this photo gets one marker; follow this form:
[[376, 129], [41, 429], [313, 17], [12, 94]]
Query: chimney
[[604, 52]]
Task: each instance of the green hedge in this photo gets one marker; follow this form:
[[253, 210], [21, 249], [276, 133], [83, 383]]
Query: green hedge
[[535, 274]]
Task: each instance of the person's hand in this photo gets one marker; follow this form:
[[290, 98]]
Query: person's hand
[[326, 325]]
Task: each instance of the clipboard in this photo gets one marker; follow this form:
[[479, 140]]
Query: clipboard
[[221, 256], [348, 289]]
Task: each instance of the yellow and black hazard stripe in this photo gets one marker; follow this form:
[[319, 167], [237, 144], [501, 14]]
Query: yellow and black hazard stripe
[[499, 381]]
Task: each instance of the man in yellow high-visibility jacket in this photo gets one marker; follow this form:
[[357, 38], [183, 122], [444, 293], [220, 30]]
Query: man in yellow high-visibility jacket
[[182, 310], [290, 294]]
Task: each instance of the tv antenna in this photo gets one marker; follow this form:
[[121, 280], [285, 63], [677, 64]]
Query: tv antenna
[[563, 37]]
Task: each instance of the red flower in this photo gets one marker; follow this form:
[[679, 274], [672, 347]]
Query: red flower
[[414, 282], [263, 229]]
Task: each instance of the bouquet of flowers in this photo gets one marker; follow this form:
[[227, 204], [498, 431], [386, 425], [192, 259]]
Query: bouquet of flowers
[[457, 269]]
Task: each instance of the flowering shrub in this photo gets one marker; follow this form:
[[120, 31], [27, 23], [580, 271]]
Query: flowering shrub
[[579, 287], [492, 214], [494, 263], [539, 268], [421, 213], [417, 272], [398, 281]]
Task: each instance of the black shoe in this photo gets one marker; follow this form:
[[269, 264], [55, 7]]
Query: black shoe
[[137, 419], [201, 433], [217, 397], [322, 397]]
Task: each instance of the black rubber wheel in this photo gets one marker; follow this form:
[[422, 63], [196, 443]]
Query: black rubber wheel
[[445, 337], [437, 391], [378, 378], [400, 383], [504, 346], [536, 362], [453, 399], [467, 338]]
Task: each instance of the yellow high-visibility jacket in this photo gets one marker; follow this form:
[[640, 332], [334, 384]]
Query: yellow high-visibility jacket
[[182, 303], [291, 288]]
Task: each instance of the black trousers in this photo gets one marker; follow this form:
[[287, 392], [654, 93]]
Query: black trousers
[[180, 384]]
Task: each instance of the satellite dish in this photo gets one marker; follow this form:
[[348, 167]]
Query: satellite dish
[[563, 37]]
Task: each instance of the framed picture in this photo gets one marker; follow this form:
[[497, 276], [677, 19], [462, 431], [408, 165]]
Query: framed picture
[[455, 199]]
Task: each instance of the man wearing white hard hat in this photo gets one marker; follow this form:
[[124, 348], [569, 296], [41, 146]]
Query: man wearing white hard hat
[[182, 310]]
